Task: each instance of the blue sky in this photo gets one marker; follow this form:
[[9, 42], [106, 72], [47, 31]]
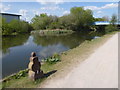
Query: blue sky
[[29, 9]]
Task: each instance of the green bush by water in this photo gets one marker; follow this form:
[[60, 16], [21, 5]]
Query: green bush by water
[[110, 28], [55, 58], [22, 73]]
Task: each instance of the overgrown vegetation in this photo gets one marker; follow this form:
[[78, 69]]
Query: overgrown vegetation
[[15, 27], [112, 26], [78, 19], [52, 60], [18, 75]]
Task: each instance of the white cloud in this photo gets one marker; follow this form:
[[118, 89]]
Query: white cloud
[[24, 14], [112, 5], [66, 12], [36, 12], [50, 1], [107, 6], [99, 12], [4, 8], [51, 7], [91, 7]]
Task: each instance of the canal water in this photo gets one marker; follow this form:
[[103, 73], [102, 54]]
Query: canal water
[[16, 50]]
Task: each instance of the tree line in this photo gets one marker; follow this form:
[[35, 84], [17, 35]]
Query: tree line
[[15, 27], [78, 19]]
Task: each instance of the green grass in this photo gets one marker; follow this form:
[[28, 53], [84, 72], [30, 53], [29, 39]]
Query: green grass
[[0, 85], [66, 63]]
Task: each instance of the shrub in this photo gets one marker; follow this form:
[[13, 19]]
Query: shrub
[[55, 58], [18, 75], [110, 28], [15, 27]]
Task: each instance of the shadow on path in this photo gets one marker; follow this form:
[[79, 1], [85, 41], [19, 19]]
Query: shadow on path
[[49, 73]]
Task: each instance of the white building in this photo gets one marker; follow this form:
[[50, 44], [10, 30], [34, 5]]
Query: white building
[[10, 17]]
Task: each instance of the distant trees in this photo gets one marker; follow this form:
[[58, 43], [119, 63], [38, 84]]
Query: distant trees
[[112, 26], [113, 19], [77, 19], [15, 27], [104, 18], [41, 21]]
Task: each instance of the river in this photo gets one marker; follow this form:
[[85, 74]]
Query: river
[[16, 50]]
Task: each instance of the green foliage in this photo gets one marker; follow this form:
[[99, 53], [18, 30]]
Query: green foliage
[[54, 25], [113, 19], [41, 21], [77, 19], [105, 18], [110, 28], [22, 73], [66, 22], [15, 27], [81, 18], [52, 60]]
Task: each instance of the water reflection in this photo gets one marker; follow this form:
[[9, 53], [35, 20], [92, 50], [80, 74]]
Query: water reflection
[[12, 41], [69, 41], [16, 50], [51, 49]]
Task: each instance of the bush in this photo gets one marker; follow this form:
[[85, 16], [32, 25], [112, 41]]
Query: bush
[[55, 58], [15, 27], [110, 28], [18, 75]]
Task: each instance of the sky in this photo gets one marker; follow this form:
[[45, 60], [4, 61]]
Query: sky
[[57, 7]]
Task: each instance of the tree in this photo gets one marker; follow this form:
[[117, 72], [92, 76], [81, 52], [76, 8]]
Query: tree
[[41, 21], [105, 18], [66, 22], [113, 19], [6, 30], [112, 26], [81, 18], [77, 19], [15, 27]]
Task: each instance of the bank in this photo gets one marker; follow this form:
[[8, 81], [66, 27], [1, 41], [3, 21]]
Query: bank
[[63, 67]]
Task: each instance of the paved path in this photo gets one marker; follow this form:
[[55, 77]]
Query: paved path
[[100, 70]]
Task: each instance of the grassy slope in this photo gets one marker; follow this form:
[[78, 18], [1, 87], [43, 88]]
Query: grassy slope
[[67, 62]]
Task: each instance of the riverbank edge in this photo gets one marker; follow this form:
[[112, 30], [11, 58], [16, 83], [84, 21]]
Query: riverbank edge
[[66, 53]]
